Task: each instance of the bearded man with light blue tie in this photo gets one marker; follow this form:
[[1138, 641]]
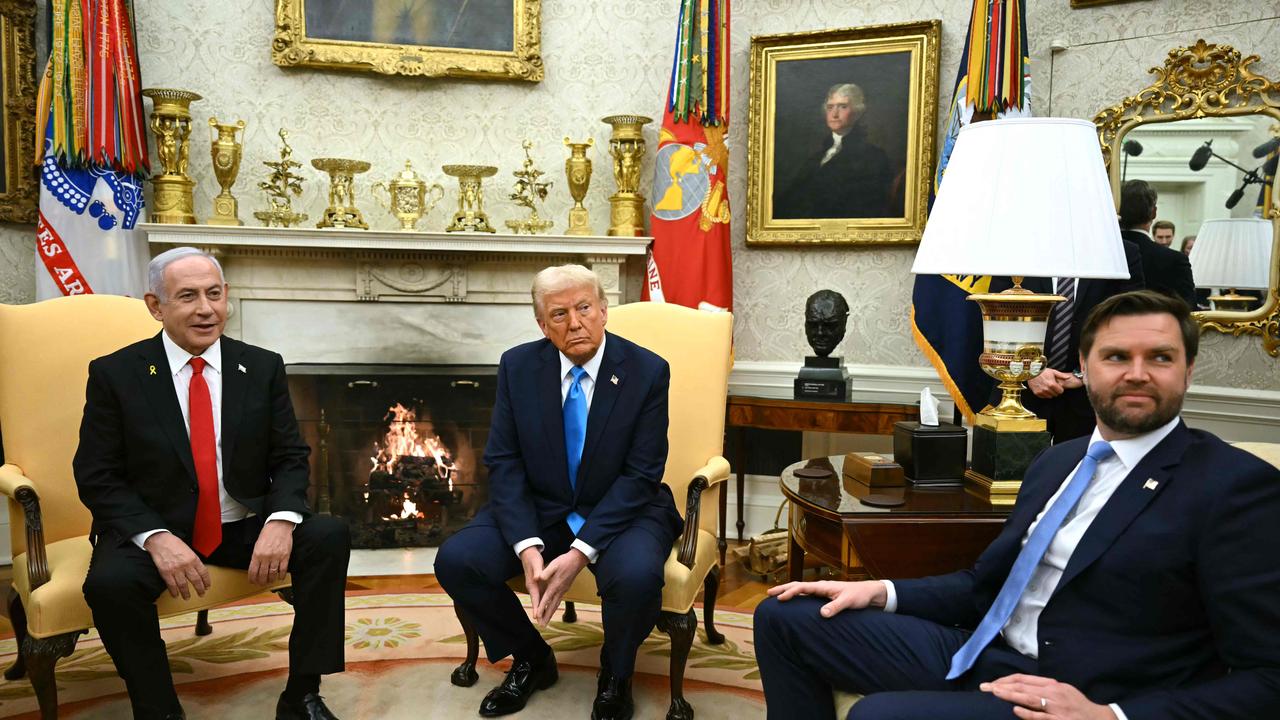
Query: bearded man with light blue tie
[[1135, 579], [576, 453]]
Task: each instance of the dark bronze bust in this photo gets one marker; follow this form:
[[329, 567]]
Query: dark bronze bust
[[825, 316]]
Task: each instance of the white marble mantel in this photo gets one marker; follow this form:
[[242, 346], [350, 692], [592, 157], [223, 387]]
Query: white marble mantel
[[358, 296]]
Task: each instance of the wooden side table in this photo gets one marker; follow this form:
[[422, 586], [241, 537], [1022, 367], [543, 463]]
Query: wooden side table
[[745, 411], [934, 531]]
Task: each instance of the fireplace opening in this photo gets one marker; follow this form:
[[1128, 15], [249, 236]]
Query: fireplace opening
[[396, 449]]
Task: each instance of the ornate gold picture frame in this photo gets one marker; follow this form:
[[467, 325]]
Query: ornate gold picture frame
[[485, 39], [19, 183], [881, 83], [1206, 80]]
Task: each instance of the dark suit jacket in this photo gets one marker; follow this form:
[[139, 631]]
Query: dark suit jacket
[[1167, 270], [620, 478], [1168, 605], [1070, 415], [133, 467], [853, 184]]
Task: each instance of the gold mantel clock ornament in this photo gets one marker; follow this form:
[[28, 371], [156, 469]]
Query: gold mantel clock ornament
[[342, 211], [529, 192], [470, 216], [226, 152], [173, 198], [407, 196], [626, 145], [578, 170], [280, 186]]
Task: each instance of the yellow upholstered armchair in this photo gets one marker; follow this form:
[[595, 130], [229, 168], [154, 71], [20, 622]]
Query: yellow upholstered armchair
[[696, 345], [45, 351]]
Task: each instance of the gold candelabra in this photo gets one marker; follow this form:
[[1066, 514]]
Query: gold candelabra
[[529, 192], [281, 186]]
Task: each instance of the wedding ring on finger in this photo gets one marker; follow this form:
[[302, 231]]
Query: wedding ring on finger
[[1044, 703]]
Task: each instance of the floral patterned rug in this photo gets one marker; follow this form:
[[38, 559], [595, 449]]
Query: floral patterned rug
[[401, 648]]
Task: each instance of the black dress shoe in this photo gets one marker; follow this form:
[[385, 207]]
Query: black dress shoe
[[522, 679], [312, 707], [613, 698]]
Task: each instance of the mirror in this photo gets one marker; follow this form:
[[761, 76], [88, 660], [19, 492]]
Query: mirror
[[1206, 135]]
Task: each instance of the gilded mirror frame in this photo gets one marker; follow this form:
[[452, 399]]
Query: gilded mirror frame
[[292, 47], [20, 189], [1205, 80]]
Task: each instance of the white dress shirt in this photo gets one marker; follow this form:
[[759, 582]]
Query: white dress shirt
[[836, 140], [1021, 629], [588, 383], [180, 368]]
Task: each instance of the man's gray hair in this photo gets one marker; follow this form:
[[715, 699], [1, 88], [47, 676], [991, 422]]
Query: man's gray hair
[[564, 277], [158, 264], [857, 99]]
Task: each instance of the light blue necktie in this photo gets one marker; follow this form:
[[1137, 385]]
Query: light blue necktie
[[1027, 560], [575, 435]]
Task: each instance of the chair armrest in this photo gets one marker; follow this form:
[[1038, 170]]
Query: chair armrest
[[715, 471], [19, 487]]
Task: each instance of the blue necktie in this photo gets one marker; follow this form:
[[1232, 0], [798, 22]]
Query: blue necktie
[[575, 435], [1025, 565]]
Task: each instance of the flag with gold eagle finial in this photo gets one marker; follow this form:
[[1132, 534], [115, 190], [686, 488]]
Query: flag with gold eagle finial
[[689, 263]]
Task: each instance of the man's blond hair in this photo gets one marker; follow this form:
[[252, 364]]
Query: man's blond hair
[[564, 277]]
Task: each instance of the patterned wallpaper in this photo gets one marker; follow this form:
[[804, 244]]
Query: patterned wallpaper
[[605, 56]]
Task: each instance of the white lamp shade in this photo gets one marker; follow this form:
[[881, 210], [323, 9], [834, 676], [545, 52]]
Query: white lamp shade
[[1026, 197], [1233, 253]]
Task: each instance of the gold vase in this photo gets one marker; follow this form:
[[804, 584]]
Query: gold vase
[[226, 153], [470, 215], [626, 146], [342, 211], [578, 170], [173, 197], [407, 196]]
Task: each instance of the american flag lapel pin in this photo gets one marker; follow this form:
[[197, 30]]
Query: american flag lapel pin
[[1150, 484], [613, 379], [241, 368]]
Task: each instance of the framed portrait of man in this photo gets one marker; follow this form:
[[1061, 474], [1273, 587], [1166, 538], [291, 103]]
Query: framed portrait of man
[[841, 134], [431, 38], [19, 183]]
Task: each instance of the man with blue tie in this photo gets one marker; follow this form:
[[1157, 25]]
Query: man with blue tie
[[576, 453], [1134, 579]]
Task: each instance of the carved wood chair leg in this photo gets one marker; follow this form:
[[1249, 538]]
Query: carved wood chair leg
[[465, 675], [17, 618], [41, 656], [710, 589], [202, 624], [681, 628], [570, 612]]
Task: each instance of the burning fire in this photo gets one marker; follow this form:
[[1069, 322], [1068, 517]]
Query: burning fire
[[410, 510], [402, 440]]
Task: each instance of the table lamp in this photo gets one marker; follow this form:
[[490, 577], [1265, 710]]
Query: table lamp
[[1022, 197], [1233, 254]]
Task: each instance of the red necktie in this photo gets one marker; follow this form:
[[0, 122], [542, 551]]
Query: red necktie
[[207, 535]]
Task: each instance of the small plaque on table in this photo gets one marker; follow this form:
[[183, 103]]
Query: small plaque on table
[[824, 379]]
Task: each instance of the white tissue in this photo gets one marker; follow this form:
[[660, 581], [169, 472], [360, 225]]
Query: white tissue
[[928, 408]]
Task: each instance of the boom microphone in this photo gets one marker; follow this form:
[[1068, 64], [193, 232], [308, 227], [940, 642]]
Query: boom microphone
[[1267, 147], [1201, 156], [1235, 197], [1134, 148]]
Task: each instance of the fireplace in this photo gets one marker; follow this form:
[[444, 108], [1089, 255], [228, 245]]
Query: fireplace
[[396, 449]]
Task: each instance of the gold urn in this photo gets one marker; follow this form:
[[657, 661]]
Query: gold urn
[[577, 168], [626, 146], [470, 215], [407, 196], [226, 152], [342, 211], [173, 190]]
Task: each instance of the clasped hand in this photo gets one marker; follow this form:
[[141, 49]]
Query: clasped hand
[[548, 584], [1051, 383]]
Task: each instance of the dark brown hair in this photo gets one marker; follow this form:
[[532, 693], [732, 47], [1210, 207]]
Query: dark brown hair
[[1163, 225], [1137, 203], [1142, 302]]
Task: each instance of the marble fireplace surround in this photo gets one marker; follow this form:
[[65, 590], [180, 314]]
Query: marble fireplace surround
[[358, 296]]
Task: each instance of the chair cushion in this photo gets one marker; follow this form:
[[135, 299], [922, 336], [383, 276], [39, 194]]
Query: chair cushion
[[59, 606], [682, 584]]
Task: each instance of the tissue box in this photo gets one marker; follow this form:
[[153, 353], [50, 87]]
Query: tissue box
[[930, 455], [872, 469]]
